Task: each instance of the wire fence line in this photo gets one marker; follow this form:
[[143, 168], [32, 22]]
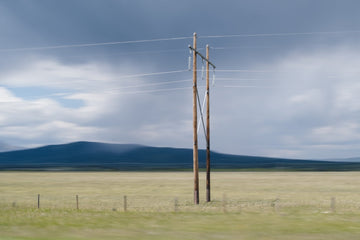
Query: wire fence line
[[153, 203]]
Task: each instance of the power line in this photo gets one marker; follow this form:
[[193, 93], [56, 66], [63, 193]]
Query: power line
[[127, 53], [34, 100], [174, 39], [153, 74], [115, 92], [131, 76], [241, 79], [244, 70], [82, 81], [94, 44], [140, 75], [279, 34], [244, 86], [151, 84], [275, 71], [150, 91], [248, 47], [157, 84]]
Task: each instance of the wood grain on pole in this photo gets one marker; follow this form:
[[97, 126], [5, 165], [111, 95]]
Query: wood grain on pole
[[208, 199], [195, 148]]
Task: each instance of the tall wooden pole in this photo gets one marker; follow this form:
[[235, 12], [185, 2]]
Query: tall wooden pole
[[195, 149], [208, 199]]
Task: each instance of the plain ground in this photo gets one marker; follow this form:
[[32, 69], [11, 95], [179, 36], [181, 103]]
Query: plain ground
[[246, 205]]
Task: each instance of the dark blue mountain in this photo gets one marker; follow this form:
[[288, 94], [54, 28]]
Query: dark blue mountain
[[127, 157]]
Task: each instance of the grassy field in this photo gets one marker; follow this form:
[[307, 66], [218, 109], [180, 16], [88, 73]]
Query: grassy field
[[246, 205]]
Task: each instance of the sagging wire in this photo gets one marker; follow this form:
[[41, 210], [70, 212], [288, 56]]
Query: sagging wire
[[94, 44]]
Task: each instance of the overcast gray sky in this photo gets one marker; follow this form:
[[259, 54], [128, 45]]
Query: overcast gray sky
[[286, 83]]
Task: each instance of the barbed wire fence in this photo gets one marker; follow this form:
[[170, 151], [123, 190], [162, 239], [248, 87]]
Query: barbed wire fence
[[153, 203]]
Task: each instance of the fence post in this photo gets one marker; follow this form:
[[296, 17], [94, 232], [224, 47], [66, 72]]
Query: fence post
[[77, 202], [275, 205], [224, 203], [38, 203], [125, 203], [176, 204]]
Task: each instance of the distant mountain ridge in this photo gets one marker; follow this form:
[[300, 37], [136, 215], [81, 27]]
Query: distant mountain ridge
[[4, 147], [131, 157]]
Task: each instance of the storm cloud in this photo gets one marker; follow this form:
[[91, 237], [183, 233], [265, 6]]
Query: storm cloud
[[286, 81]]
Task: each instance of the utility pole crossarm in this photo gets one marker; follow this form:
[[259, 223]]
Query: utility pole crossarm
[[204, 58]]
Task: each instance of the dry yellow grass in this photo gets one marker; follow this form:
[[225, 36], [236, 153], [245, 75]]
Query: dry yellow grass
[[105, 190], [246, 205]]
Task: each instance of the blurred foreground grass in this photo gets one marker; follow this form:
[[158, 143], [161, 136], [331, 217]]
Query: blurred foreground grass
[[246, 205]]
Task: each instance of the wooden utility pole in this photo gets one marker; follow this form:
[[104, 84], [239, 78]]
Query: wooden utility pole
[[207, 133], [195, 148], [208, 199]]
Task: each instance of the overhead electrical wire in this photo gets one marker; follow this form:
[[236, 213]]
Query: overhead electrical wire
[[116, 90], [242, 48], [245, 70], [153, 74], [279, 34], [241, 79], [158, 84], [132, 76], [128, 53], [152, 84], [181, 38], [35, 100], [135, 75], [272, 71], [174, 39], [149, 91], [93, 44], [250, 86]]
